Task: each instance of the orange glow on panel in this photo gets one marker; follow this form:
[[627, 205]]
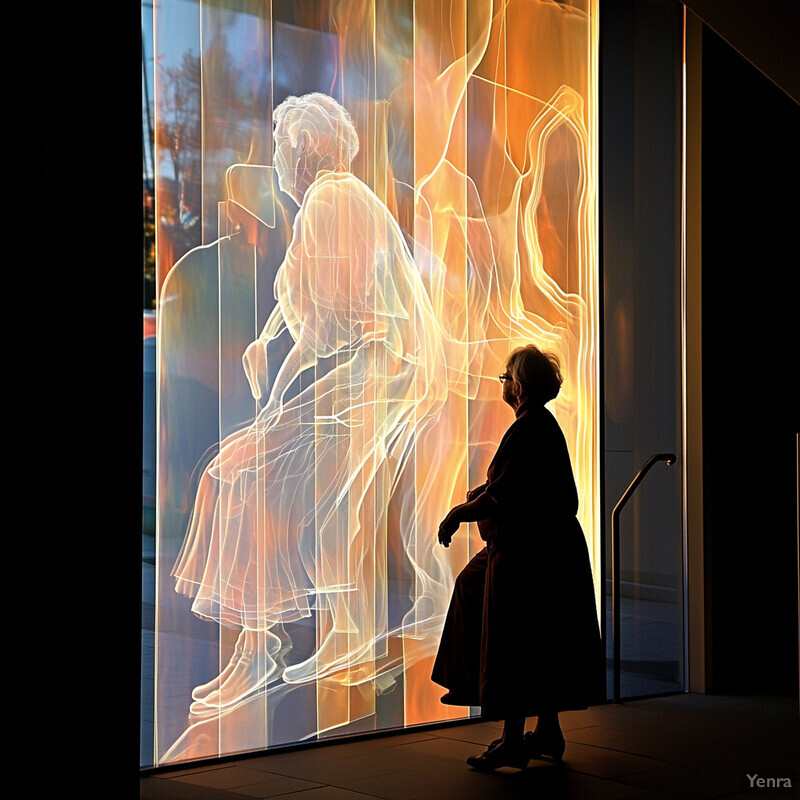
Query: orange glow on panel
[[329, 343]]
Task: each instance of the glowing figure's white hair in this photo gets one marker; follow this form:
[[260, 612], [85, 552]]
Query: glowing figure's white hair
[[327, 124]]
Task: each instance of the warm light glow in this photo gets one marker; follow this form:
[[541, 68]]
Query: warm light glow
[[327, 377]]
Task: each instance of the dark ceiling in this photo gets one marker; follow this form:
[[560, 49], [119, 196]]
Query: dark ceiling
[[765, 32]]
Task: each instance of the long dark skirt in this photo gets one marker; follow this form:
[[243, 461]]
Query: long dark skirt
[[521, 634]]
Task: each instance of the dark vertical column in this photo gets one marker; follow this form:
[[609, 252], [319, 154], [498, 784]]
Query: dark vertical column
[[641, 203], [751, 287]]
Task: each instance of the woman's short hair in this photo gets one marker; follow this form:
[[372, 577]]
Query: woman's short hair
[[538, 373], [327, 124]]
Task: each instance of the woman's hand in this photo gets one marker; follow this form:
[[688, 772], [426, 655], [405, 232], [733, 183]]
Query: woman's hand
[[480, 505], [473, 493], [254, 359], [448, 527], [254, 362]]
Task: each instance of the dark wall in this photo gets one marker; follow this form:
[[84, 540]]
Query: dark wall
[[751, 291], [750, 262]]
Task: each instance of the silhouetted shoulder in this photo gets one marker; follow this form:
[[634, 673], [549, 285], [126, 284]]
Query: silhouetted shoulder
[[532, 469]]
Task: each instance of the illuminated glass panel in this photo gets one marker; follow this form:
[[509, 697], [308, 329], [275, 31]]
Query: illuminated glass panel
[[335, 298]]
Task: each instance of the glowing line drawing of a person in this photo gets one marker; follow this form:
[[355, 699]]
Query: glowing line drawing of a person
[[292, 514]]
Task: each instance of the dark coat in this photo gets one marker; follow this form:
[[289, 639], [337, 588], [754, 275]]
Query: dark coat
[[521, 634]]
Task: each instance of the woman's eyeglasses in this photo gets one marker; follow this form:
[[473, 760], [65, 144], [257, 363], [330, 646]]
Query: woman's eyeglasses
[[505, 377]]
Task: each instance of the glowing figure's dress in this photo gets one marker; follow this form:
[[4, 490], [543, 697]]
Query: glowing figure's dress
[[292, 512]]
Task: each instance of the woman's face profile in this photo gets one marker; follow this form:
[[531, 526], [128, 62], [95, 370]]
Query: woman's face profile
[[282, 159], [511, 392]]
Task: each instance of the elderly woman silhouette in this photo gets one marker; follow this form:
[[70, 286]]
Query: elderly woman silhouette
[[521, 637]]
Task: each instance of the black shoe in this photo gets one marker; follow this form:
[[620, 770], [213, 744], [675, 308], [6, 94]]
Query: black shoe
[[538, 746], [500, 755]]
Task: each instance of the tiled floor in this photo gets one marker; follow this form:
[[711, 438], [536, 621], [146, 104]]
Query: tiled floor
[[685, 746]]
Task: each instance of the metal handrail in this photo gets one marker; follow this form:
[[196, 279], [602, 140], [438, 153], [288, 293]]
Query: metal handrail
[[670, 458]]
